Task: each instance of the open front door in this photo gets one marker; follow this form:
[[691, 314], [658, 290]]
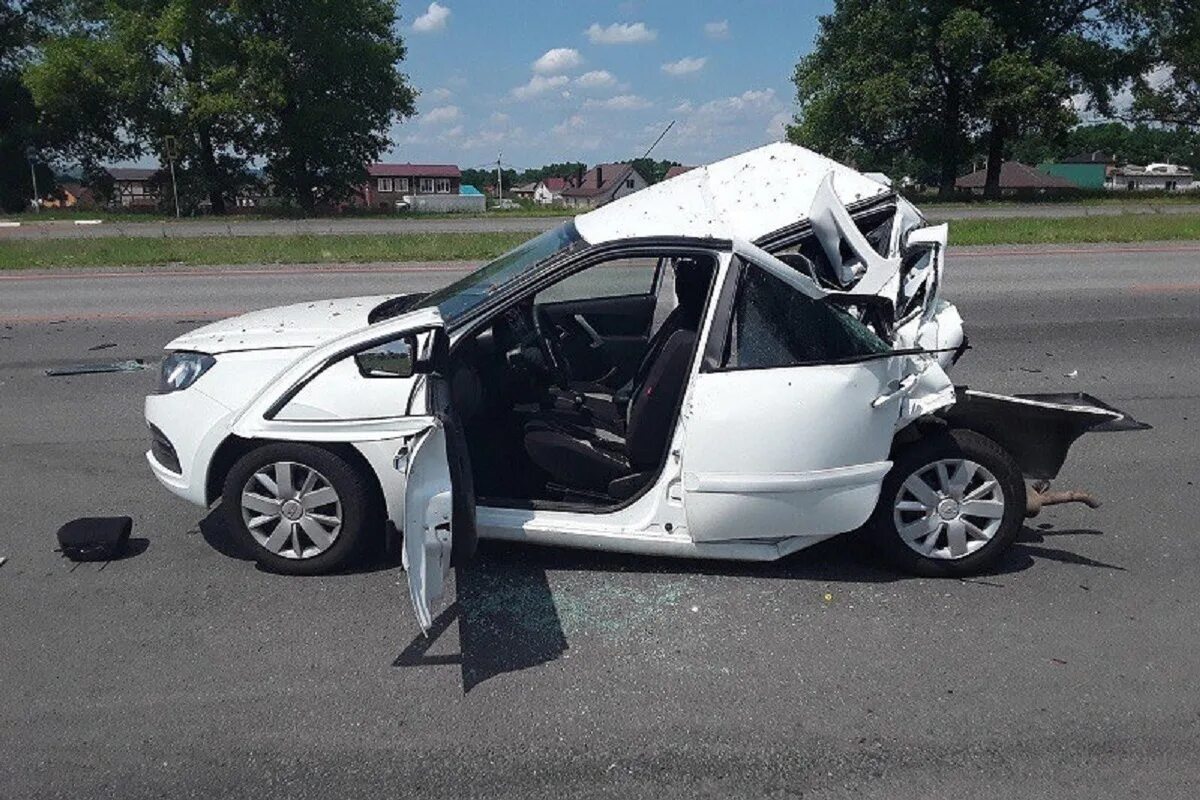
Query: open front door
[[428, 522], [792, 415], [439, 514]]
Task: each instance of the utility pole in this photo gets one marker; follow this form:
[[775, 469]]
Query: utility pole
[[499, 177], [31, 154], [169, 148]]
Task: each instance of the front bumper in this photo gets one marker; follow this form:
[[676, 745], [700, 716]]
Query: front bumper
[[193, 425]]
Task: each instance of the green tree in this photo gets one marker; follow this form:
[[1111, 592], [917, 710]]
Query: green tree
[[308, 86], [1126, 144], [21, 23], [1169, 93], [653, 171], [327, 89], [913, 86], [127, 74]]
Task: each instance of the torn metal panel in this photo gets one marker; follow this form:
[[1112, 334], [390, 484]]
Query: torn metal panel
[[1037, 432], [132, 365], [858, 267]]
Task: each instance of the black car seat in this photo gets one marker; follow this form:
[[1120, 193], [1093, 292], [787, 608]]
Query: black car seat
[[596, 461], [693, 276]]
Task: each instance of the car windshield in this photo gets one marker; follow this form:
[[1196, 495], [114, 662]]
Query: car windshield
[[461, 297]]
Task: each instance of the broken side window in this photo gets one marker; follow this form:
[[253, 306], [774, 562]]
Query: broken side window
[[877, 226], [774, 325], [914, 282]]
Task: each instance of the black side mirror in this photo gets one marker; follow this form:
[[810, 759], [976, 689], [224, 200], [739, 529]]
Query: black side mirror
[[394, 359]]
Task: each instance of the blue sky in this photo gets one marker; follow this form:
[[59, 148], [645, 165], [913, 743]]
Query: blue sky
[[562, 80]]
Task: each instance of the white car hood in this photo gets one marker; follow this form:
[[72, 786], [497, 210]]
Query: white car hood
[[301, 325]]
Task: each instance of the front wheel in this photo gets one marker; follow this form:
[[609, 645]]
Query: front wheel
[[951, 505], [297, 509]]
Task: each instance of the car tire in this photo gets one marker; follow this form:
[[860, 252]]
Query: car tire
[[934, 521], [298, 509]]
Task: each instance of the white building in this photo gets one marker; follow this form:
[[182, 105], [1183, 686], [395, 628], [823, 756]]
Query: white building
[[1153, 177]]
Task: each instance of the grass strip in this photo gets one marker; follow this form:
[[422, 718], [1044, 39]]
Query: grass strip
[[288, 249], [1076, 230]]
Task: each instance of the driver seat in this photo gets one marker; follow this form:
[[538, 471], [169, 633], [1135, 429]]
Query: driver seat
[[595, 461], [693, 277]]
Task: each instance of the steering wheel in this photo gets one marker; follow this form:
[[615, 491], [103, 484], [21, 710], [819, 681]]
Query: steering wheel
[[550, 348]]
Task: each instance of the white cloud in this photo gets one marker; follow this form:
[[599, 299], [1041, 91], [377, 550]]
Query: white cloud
[[572, 123], [750, 100], [717, 30], [684, 66], [432, 20], [777, 127], [622, 102], [596, 79], [558, 61], [454, 132], [540, 84], [440, 115], [621, 33], [729, 124], [499, 118], [441, 94]]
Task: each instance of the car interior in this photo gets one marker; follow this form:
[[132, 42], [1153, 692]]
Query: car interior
[[569, 398]]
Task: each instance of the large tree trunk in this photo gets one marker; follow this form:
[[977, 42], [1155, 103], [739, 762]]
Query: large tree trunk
[[996, 142], [208, 165], [951, 116]]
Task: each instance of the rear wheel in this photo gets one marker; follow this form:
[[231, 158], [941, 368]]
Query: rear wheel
[[951, 505], [297, 509]]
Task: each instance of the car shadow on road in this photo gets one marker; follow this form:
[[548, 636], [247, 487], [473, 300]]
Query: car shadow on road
[[216, 533], [506, 615], [1031, 536], [507, 622], [507, 618]]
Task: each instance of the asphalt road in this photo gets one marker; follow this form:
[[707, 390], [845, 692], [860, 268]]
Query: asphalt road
[[183, 672], [32, 228]]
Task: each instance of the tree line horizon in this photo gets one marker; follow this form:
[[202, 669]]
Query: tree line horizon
[[921, 88], [309, 90]]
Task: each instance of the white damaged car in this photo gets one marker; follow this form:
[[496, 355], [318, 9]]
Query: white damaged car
[[736, 363]]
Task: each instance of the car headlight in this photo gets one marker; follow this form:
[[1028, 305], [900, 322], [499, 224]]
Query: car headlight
[[181, 369]]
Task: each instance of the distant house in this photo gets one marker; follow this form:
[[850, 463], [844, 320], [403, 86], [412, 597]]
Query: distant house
[[1016, 178], [70, 194], [135, 187], [1085, 170], [1153, 177], [602, 184], [676, 171], [549, 191], [524, 192], [389, 184]]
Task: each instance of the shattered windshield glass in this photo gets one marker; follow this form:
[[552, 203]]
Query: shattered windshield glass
[[461, 297]]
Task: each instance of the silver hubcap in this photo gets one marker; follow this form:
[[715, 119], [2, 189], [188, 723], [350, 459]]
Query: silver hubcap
[[291, 510], [949, 509]]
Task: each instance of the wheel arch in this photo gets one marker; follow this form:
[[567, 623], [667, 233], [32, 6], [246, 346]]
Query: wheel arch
[[234, 447]]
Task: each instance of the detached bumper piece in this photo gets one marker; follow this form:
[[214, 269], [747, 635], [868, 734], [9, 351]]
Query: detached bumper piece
[[1036, 429]]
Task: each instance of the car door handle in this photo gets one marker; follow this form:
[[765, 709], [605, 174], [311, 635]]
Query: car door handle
[[897, 388], [589, 330]]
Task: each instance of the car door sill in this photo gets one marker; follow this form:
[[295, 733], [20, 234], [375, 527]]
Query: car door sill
[[676, 544]]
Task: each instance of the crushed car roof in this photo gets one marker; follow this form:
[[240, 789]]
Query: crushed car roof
[[746, 196]]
